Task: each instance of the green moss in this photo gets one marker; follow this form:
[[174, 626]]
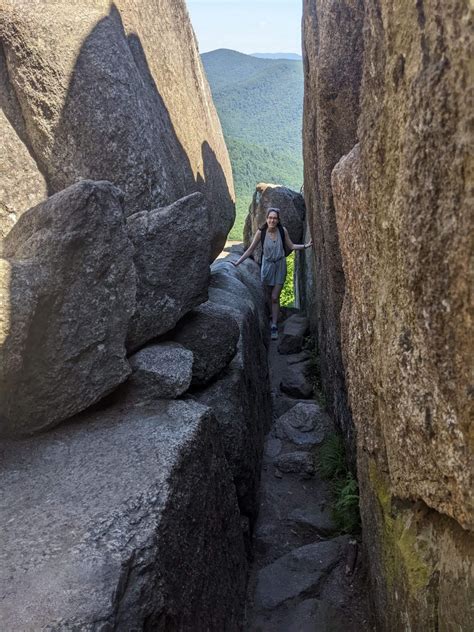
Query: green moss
[[403, 561]]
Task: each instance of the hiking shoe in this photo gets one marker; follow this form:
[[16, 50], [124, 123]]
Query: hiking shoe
[[274, 331]]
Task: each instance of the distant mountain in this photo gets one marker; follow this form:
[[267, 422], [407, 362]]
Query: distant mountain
[[292, 56], [260, 105]]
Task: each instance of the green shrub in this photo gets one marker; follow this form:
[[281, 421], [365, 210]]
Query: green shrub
[[287, 296]]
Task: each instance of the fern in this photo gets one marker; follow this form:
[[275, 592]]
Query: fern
[[346, 505], [332, 466], [332, 461]]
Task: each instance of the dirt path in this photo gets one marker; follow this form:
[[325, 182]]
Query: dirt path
[[305, 576]]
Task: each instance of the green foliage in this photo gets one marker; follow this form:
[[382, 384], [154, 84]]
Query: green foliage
[[346, 504], [260, 106], [332, 466], [287, 296]]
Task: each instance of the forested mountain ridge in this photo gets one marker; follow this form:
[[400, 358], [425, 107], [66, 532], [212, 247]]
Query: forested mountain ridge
[[278, 56], [260, 105]]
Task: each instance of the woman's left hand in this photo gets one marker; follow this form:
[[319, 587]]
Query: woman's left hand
[[309, 244]]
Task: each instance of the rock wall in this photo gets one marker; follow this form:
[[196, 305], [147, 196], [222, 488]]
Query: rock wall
[[402, 197], [332, 53], [112, 92]]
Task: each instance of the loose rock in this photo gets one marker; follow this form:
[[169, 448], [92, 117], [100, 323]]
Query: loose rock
[[160, 371]]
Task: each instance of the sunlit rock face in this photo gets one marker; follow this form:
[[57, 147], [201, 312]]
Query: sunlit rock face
[[110, 91], [404, 222], [332, 57]]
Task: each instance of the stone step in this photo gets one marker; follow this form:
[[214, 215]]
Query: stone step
[[298, 573], [309, 615]]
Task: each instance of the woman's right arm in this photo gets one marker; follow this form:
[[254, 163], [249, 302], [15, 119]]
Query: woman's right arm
[[250, 249]]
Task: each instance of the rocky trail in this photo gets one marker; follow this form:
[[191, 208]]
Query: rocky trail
[[305, 576]]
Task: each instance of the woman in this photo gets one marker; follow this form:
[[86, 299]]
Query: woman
[[273, 271]]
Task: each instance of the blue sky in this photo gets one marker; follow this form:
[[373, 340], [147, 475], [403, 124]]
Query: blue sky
[[249, 26]]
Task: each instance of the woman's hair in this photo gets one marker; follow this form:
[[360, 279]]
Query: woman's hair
[[274, 210]]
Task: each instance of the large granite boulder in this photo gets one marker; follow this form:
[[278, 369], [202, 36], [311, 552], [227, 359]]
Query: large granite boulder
[[211, 333], [68, 292], [292, 212], [404, 214], [111, 91], [172, 249], [332, 58], [240, 397], [121, 520]]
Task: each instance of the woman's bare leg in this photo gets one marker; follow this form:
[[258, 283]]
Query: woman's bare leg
[[275, 295]]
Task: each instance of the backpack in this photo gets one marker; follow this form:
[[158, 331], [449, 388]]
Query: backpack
[[263, 230]]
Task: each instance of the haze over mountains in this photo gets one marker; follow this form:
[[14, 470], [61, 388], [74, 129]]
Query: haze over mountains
[[260, 105]]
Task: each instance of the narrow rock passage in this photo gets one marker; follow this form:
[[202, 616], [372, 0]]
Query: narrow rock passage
[[305, 577]]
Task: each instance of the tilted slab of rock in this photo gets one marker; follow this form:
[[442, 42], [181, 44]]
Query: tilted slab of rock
[[240, 397], [211, 333], [123, 520], [292, 212], [159, 371], [172, 247], [68, 292], [113, 91]]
